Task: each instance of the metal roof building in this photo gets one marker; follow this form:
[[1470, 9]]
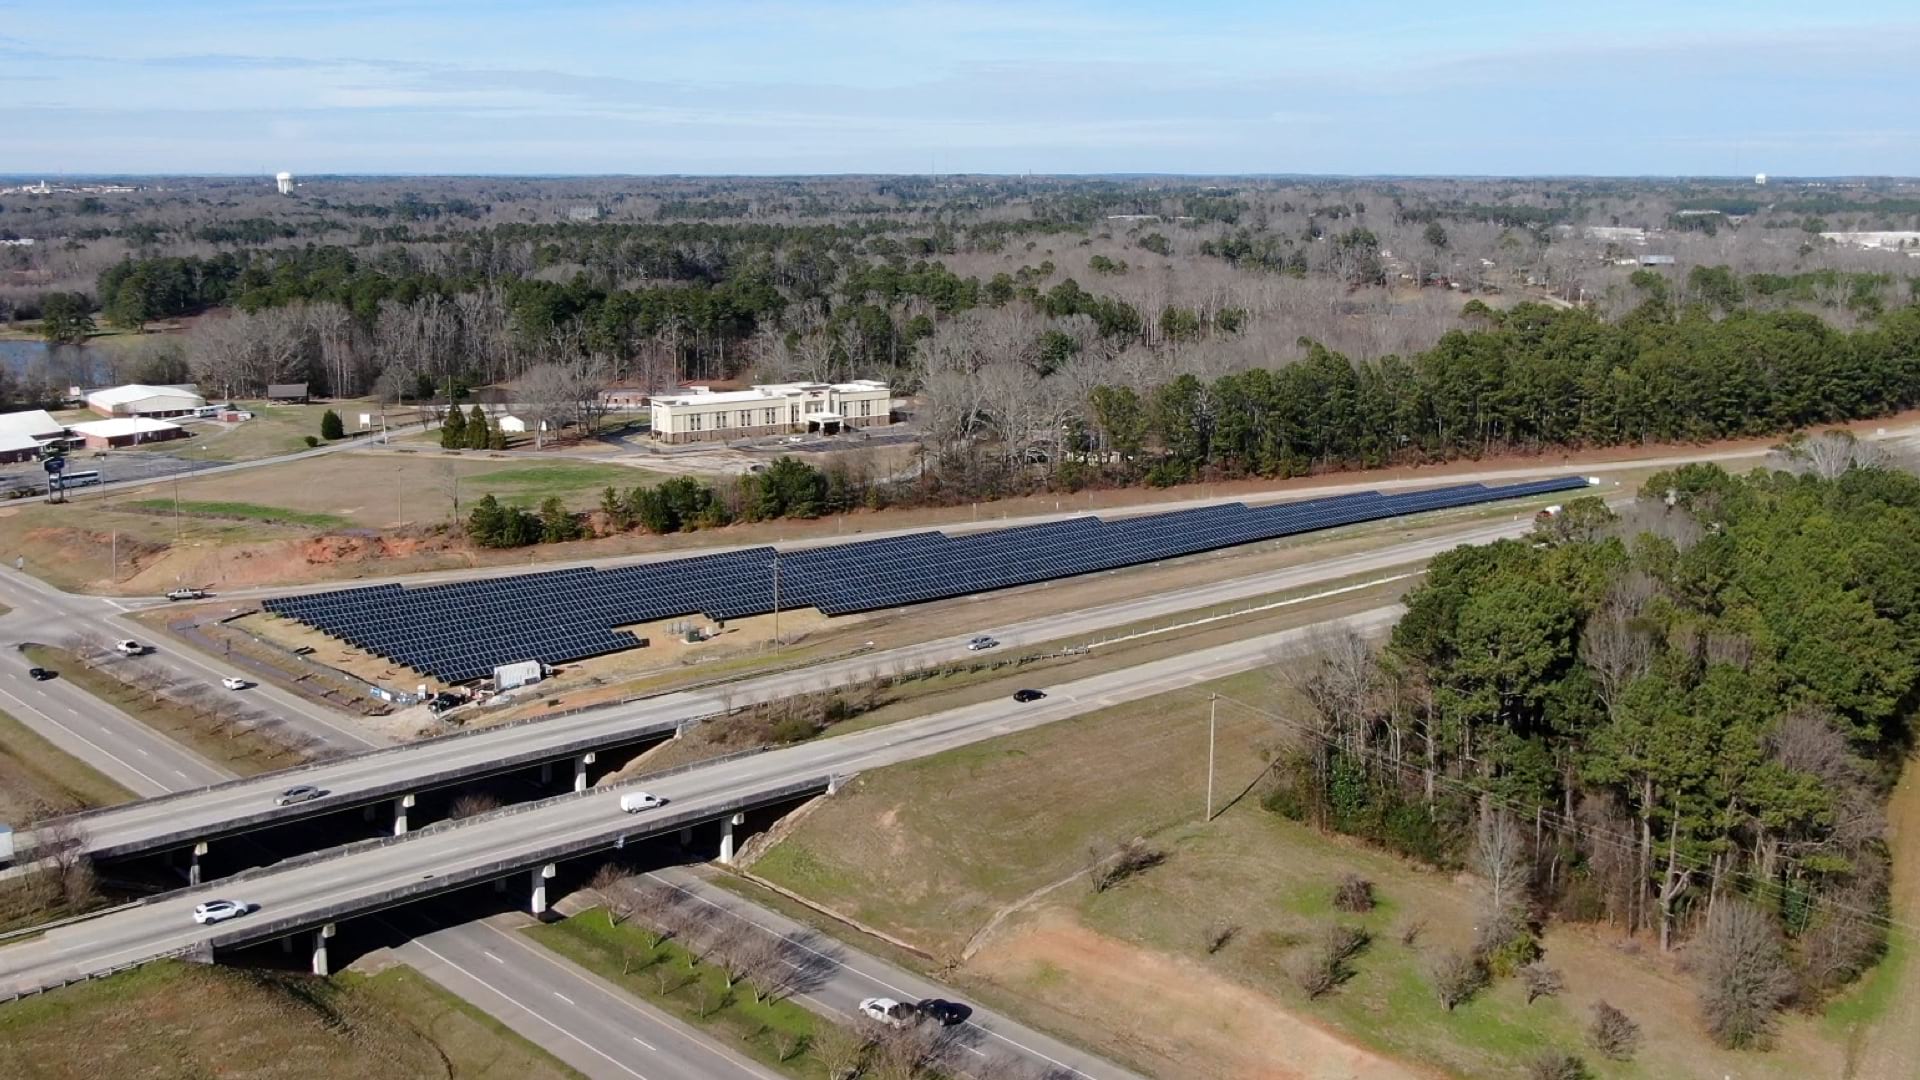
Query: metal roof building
[[136, 399]]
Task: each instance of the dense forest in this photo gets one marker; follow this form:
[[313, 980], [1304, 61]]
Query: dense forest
[[1044, 332], [1701, 703]]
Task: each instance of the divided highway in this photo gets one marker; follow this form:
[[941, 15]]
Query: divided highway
[[238, 805], [305, 893]]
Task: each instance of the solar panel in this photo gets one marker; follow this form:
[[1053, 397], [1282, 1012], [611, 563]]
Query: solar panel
[[463, 630]]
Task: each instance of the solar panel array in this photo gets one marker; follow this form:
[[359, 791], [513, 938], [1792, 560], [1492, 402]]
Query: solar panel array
[[463, 631]]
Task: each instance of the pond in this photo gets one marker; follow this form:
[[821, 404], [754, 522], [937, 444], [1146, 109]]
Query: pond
[[56, 366]]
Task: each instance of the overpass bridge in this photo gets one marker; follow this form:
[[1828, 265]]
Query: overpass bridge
[[314, 893]]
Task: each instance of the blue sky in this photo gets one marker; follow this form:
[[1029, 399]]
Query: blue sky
[[1622, 87]]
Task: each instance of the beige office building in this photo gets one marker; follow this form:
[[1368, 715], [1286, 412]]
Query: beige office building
[[703, 415]]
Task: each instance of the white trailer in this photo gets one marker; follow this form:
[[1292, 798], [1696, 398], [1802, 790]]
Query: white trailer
[[509, 676]]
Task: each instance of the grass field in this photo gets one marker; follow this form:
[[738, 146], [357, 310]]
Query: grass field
[[34, 773], [774, 1032], [244, 752], [933, 850], [279, 429], [526, 485], [170, 1019], [241, 511]]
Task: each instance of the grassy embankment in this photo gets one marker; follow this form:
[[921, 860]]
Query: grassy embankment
[[183, 1020], [934, 850]]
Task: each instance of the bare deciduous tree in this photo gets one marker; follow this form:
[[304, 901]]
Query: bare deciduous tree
[[1743, 973], [1613, 1032]]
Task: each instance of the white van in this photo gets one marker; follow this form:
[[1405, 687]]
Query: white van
[[635, 801]]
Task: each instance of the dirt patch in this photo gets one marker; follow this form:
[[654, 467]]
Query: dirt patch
[[1169, 1011]]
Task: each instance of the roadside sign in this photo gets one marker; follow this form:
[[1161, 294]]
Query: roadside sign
[[55, 464]]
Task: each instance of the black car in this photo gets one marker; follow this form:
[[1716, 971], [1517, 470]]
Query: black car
[[944, 1013], [1028, 695], [40, 674]]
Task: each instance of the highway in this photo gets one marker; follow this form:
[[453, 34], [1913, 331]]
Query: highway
[[307, 892], [383, 774]]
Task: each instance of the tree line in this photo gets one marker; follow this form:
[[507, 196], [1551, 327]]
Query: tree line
[[1688, 717], [787, 488]]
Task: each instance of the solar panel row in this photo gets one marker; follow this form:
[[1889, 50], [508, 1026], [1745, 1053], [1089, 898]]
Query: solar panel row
[[464, 630]]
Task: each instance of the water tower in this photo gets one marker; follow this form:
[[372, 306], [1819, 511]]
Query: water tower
[[1760, 179], [284, 182]]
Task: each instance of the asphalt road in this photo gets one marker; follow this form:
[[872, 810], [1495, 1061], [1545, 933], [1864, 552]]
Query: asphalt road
[[378, 775], [847, 976], [366, 877]]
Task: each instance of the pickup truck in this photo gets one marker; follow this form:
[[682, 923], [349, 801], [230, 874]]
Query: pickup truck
[[186, 594]]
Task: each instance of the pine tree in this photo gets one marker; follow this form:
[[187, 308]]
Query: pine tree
[[557, 524], [478, 435], [615, 510], [453, 433], [487, 522], [330, 425]]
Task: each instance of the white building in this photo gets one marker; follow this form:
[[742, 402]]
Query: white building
[[127, 431], [135, 399], [702, 414]]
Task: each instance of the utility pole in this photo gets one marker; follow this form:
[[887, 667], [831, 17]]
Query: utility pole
[[776, 598], [1213, 708]]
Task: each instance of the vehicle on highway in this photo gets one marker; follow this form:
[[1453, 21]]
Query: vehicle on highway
[[214, 911], [1028, 695], [40, 674], [233, 683], [129, 647], [980, 643], [186, 594], [635, 801], [943, 1012], [888, 1011], [299, 794]]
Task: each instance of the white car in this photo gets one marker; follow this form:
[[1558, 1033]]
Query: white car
[[635, 801], [214, 911], [129, 647], [232, 683], [887, 1011]]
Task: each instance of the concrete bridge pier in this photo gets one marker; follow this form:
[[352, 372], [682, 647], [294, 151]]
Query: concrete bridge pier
[[400, 807], [580, 770], [541, 875], [193, 864], [320, 937], [726, 836]]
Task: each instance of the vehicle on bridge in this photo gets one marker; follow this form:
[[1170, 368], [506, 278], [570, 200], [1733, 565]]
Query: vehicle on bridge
[[635, 801], [214, 911], [1028, 695], [299, 794]]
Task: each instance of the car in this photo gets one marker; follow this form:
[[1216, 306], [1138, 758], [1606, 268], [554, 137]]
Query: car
[[1028, 695], [40, 674], [233, 683], [943, 1012], [981, 643], [635, 801], [299, 794], [186, 594], [129, 647], [888, 1011], [214, 911]]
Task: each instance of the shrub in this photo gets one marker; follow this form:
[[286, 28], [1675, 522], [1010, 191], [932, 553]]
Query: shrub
[[1556, 1065], [1541, 981], [330, 425], [1456, 976], [312, 441], [1354, 894], [1326, 968], [1130, 858], [1613, 1032]]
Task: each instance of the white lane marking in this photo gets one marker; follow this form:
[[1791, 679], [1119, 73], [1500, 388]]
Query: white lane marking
[[644, 1043], [488, 953], [182, 775], [875, 979], [144, 752], [97, 748], [563, 997], [530, 1012], [615, 997]]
